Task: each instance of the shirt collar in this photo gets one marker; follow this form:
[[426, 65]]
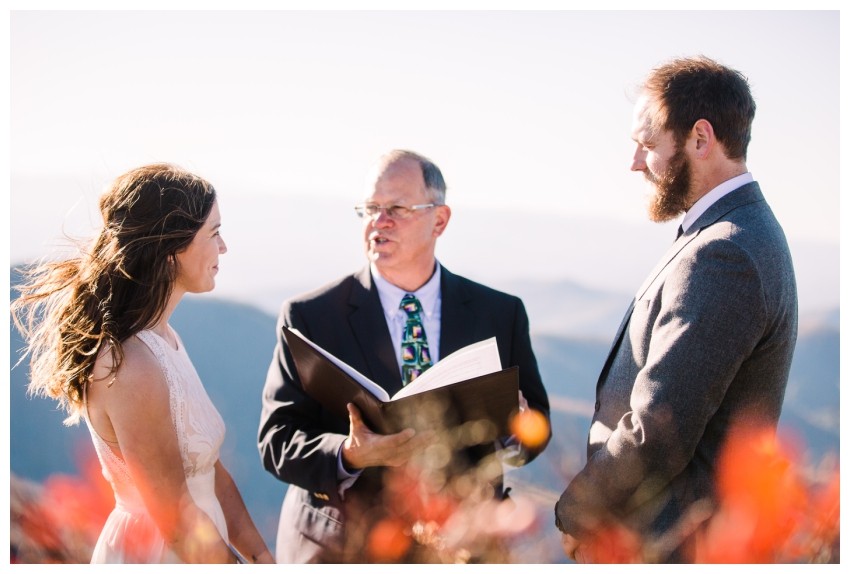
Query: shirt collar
[[710, 198], [391, 295]]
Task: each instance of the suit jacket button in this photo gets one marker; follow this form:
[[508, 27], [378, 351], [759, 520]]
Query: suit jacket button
[[596, 406]]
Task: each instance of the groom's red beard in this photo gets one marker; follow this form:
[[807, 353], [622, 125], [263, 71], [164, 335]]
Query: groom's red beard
[[670, 197]]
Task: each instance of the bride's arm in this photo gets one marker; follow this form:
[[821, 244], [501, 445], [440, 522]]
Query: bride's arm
[[137, 405], [240, 528]]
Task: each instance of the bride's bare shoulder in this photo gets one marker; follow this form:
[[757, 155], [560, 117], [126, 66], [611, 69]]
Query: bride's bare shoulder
[[138, 371]]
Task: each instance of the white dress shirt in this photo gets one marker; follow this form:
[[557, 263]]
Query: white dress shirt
[[430, 298]]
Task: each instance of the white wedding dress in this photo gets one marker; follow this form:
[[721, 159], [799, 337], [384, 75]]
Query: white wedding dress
[[130, 534]]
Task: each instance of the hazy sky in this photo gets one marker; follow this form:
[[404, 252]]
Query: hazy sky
[[521, 109], [526, 112]]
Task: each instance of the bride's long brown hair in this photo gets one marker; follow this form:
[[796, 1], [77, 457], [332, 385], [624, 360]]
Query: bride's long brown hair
[[71, 310]]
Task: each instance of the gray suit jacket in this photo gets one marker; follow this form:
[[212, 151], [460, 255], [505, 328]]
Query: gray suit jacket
[[707, 340], [299, 440]]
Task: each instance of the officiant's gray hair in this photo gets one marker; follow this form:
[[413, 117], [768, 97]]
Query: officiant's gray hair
[[435, 185]]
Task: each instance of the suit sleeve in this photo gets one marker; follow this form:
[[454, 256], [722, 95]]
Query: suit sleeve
[[530, 382], [711, 313], [295, 446]]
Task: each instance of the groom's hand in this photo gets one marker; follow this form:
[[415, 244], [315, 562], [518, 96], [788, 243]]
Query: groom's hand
[[573, 548]]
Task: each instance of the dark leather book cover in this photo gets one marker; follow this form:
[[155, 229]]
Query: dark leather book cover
[[482, 405]]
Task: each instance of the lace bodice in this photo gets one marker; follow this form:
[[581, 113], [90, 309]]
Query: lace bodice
[[199, 427]]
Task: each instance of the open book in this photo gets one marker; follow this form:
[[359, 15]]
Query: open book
[[467, 386]]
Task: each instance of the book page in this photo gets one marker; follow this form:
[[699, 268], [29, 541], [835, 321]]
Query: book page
[[364, 381], [481, 358]]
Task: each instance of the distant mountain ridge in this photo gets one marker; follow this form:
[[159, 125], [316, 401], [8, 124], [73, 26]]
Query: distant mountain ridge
[[494, 246], [231, 346]]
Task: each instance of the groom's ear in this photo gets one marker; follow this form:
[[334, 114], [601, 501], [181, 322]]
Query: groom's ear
[[702, 139]]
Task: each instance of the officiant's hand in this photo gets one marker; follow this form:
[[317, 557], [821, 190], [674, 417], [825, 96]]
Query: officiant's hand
[[365, 448]]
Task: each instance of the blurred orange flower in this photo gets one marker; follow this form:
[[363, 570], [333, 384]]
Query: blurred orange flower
[[388, 541], [530, 427]]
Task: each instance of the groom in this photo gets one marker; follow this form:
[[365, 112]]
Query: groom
[[336, 466], [708, 340]]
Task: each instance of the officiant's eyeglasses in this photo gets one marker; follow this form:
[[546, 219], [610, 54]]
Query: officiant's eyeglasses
[[393, 211]]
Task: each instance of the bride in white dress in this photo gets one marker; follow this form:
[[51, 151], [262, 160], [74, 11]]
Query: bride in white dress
[[97, 328]]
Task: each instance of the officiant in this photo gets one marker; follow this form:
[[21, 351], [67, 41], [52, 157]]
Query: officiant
[[390, 321]]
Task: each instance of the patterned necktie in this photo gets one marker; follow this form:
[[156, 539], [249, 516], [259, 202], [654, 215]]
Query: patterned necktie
[[415, 356]]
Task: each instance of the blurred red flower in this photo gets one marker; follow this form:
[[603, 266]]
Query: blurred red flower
[[614, 544], [762, 500]]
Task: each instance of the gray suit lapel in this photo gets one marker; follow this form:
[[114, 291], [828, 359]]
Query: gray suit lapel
[[672, 251], [659, 267], [610, 358], [370, 330]]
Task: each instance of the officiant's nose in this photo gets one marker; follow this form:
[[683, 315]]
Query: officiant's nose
[[381, 219]]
